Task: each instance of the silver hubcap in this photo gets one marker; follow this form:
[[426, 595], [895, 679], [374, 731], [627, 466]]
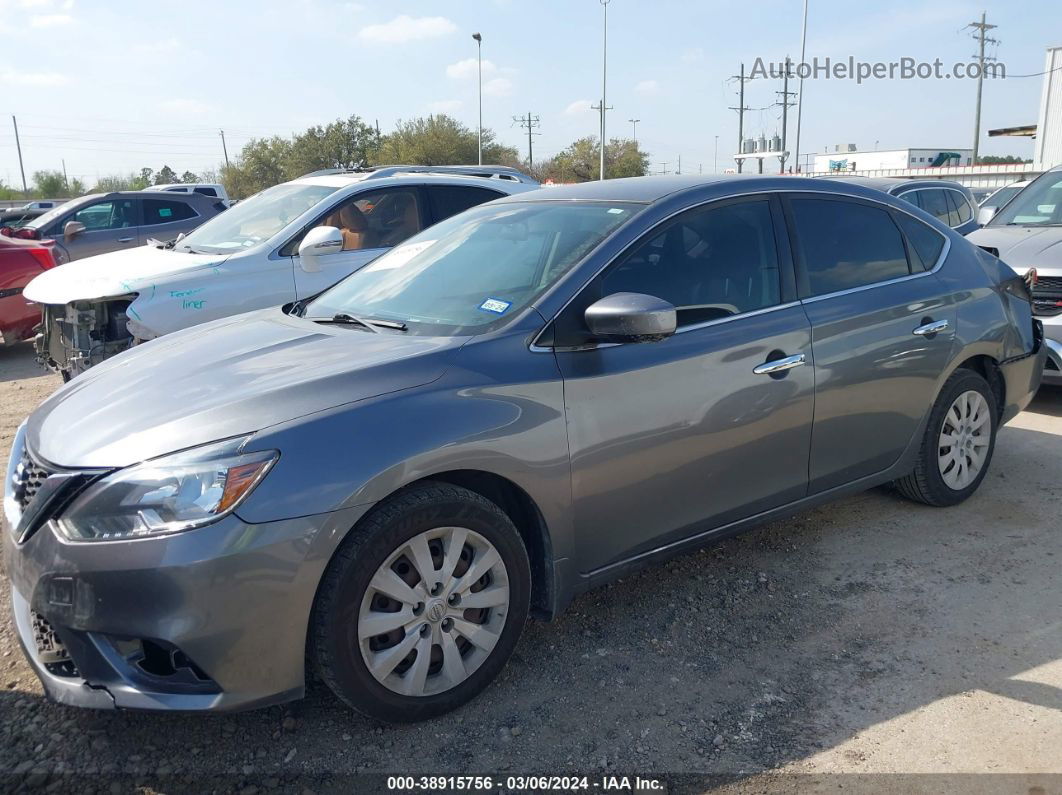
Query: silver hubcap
[[964, 440], [433, 611]]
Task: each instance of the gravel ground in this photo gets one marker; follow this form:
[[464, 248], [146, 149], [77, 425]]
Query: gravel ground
[[870, 636]]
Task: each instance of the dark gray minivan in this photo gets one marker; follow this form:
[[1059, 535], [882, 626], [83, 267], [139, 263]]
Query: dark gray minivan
[[524, 401]]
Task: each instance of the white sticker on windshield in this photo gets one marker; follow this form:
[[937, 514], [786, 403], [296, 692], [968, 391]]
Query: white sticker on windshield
[[616, 210], [495, 305]]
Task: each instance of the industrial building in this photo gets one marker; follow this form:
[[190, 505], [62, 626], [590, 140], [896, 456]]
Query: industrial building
[[847, 157]]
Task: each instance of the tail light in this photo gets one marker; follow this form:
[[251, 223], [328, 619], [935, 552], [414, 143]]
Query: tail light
[[27, 233], [43, 255]]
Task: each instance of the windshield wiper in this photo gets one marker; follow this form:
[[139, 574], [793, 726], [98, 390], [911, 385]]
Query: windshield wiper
[[369, 323]]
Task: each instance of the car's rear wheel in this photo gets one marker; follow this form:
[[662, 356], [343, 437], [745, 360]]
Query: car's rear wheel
[[422, 605], [958, 443]]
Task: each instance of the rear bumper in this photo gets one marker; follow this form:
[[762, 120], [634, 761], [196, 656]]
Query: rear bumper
[[213, 619]]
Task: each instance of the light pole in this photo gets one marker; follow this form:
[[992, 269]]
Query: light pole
[[604, 81], [479, 58], [800, 104], [635, 123]]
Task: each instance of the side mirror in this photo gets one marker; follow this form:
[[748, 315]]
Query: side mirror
[[72, 229], [631, 317], [319, 242], [986, 214]]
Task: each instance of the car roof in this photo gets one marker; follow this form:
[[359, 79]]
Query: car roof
[[348, 179], [648, 190], [888, 184]]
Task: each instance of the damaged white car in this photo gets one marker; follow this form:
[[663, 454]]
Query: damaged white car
[[286, 243]]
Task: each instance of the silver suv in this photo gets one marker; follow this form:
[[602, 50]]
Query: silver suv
[[528, 399], [1027, 234]]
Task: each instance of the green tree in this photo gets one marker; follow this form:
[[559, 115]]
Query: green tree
[[580, 162], [345, 143], [75, 188], [441, 140], [165, 176], [115, 182], [49, 184], [188, 177]]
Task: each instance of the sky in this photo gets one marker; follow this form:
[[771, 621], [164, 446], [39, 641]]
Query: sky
[[110, 86]]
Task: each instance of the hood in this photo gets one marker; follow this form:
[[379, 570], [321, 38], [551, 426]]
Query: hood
[[115, 273], [1023, 247], [222, 379]]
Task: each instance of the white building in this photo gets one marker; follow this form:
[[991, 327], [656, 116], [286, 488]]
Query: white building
[[848, 157]]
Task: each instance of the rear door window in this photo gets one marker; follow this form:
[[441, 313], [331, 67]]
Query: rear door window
[[935, 202], [842, 244], [162, 211], [447, 200]]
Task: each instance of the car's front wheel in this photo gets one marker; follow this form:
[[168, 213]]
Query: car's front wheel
[[422, 604], [958, 444]]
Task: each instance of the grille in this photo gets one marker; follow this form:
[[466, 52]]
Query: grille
[[1048, 284], [29, 477]]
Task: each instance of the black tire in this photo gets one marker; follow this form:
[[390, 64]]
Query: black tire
[[333, 625], [926, 484]]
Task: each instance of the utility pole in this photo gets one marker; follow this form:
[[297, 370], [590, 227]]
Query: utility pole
[[800, 88], [18, 146], [741, 112], [65, 182], [530, 122], [635, 123], [664, 164], [678, 169], [604, 82], [479, 58], [785, 103], [224, 148], [981, 29]]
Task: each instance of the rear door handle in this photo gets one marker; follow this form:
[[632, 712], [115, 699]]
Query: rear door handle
[[780, 365], [126, 239], [931, 328]]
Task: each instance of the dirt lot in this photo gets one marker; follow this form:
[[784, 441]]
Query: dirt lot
[[870, 636]]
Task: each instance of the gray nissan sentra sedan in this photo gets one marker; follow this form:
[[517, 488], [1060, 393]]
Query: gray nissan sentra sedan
[[524, 401]]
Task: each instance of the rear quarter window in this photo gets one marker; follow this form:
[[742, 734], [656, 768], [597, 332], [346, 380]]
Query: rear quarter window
[[924, 242]]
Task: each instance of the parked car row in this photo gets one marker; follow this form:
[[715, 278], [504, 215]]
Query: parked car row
[[496, 410], [286, 243]]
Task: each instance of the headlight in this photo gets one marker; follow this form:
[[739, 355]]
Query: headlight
[[167, 495]]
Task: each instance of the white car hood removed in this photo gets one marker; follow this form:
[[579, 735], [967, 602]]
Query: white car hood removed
[[131, 270]]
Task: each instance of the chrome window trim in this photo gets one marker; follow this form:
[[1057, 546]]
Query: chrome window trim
[[534, 347], [973, 210]]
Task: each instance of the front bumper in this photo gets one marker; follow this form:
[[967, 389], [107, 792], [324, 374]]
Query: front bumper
[[1053, 343], [209, 619]]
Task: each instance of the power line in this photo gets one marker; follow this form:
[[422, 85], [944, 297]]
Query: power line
[[529, 123]]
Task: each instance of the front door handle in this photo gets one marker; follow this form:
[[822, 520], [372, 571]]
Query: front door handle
[[780, 365], [929, 329], [126, 239]]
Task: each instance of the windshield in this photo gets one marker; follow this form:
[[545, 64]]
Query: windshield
[[475, 269], [1039, 204], [42, 221], [255, 219]]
